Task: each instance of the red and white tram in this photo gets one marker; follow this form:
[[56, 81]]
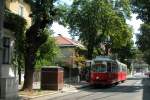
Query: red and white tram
[[106, 71]]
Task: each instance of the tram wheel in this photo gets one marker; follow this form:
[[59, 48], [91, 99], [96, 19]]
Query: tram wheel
[[116, 83], [123, 81]]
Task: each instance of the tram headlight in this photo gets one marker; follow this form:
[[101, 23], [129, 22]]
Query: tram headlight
[[97, 77]]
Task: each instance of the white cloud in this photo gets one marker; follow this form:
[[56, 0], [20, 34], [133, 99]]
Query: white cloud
[[135, 23], [68, 2], [59, 29]]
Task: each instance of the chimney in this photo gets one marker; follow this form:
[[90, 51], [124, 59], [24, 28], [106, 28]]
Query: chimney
[[59, 35]]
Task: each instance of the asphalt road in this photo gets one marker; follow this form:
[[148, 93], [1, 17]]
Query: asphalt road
[[133, 89]]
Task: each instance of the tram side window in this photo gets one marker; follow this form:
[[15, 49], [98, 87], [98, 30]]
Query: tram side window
[[124, 68], [114, 68], [120, 68], [103, 68], [109, 67]]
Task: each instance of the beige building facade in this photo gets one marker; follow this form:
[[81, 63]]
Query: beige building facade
[[22, 9], [19, 7], [8, 83]]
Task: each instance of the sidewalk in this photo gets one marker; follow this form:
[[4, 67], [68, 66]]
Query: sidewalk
[[129, 76], [79, 85], [37, 93]]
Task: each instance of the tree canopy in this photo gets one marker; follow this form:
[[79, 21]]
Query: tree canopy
[[95, 20], [142, 8], [143, 41], [43, 13], [47, 51]]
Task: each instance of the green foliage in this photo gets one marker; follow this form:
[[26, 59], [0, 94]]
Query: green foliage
[[123, 7], [147, 56], [79, 60], [125, 52], [95, 20], [16, 24], [41, 63], [61, 14], [43, 10], [142, 8], [144, 39], [48, 51], [143, 42], [43, 13]]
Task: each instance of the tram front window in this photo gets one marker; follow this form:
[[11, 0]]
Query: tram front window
[[100, 67]]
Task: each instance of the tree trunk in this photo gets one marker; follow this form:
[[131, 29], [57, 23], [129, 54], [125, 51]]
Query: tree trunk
[[19, 69], [91, 44], [106, 50], [19, 73], [28, 80], [29, 69], [33, 41], [90, 51]]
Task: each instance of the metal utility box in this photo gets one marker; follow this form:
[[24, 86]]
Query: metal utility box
[[52, 78]]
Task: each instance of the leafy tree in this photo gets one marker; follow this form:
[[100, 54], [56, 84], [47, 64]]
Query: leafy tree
[[43, 13], [47, 52], [125, 52], [95, 20], [143, 42], [123, 7], [142, 8], [79, 60]]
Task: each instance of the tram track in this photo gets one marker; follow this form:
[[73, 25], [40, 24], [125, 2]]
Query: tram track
[[82, 94], [109, 95], [125, 89]]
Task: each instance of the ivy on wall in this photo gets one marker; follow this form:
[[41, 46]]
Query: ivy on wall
[[17, 25], [14, 22]]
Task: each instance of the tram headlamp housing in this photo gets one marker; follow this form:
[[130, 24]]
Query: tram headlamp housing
[[97, 77]]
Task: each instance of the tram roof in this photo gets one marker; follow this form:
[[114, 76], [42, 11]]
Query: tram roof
[[103, 58], [120, 63]]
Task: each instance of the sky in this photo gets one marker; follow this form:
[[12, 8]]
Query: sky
[[59, 29], [69, 2], [135, 23]]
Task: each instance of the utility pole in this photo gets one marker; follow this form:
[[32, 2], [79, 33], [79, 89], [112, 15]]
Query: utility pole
[[8, 85], [1, 41]]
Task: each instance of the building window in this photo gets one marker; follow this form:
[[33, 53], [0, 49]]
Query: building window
[[20, 10], [6, 51]]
